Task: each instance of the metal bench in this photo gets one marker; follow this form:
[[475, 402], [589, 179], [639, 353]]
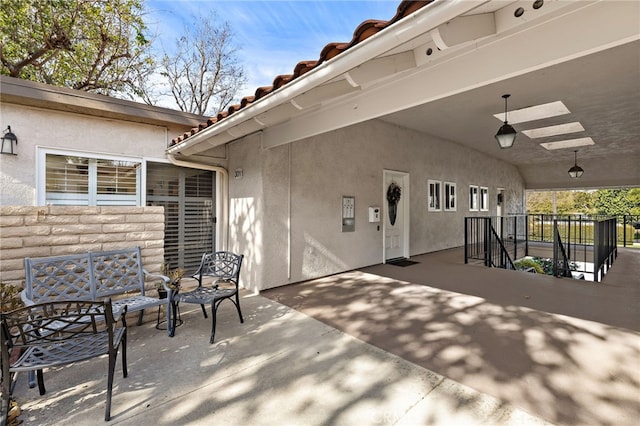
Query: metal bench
[[52, 334], [94, 276]]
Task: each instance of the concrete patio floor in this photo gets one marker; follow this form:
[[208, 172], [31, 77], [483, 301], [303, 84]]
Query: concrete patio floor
[[379, 346], [566, 351]]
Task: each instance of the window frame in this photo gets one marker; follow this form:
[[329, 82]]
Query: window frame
[[473, 198], [484, 199], [434, 200], [41, 172], [450, 197]]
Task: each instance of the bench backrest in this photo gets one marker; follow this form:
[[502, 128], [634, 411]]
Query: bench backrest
[[92, 275], [117, 272], [58, 278]]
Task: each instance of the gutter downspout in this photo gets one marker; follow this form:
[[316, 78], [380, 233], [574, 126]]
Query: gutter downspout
[[222, 198]]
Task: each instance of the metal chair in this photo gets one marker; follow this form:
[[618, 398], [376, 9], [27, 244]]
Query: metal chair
[[59, 333], [224, 268]]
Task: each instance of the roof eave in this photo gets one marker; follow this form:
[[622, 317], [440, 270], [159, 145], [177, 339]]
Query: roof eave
[[411, 26]]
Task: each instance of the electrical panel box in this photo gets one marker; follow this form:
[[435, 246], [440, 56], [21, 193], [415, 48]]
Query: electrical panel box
[[374, 214], [348, 213]]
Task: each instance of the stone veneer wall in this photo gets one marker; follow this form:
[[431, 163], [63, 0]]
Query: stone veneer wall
[[61, 230]]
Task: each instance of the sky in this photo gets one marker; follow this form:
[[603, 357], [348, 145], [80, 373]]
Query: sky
[[273, 35]]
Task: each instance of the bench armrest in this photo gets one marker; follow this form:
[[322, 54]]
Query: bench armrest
[[25, 299], [171, 292]]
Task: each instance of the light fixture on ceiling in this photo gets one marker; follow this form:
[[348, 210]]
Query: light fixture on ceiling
[[506, 134], [11, 140], [576, 171]]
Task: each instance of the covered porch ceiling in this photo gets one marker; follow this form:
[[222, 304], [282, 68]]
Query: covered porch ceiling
[[442, 71]]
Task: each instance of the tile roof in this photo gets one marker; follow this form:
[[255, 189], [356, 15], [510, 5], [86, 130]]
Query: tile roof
[[365, 30]]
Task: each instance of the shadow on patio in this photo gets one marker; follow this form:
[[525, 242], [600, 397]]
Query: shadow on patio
[[279, 367], [564, 350]]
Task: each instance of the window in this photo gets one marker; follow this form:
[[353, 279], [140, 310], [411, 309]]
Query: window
[[434, 196], [449, 196], [484, 198], [74, 180], [473, 198]]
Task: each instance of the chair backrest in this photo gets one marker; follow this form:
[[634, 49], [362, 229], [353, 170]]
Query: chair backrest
[[220, 264], [56, 321]]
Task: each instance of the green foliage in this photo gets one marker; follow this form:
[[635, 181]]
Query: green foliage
[[607, 202], [91, 45], [583, 203], [530, 263], [634, 197], [539, 202], [614, 202], [9, 298]]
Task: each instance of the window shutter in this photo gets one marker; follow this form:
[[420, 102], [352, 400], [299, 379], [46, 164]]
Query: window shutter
[[187, 196], [117, 183], [67, 180]]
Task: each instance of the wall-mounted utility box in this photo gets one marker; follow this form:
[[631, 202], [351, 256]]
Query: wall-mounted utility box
[[348, 213], [374, 214]]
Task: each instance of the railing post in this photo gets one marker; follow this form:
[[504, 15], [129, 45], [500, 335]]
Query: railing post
[[526, 235], [466, 240], [596, 249], [487, 241], [515, 238], [569, 237], [555, 247]]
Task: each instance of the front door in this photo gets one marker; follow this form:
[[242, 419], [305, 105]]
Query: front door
[[396, 215]]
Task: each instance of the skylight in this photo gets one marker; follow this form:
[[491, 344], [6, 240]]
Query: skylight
[[569, 143], [561, 129], [536, 112]]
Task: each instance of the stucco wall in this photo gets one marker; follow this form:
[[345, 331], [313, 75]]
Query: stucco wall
[[62, 130], [301, 185], [51, 231]]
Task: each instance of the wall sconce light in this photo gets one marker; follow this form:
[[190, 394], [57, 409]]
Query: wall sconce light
[[506, 134], [9, 140], [576, 171]]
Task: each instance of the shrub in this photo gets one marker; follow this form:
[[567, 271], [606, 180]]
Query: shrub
[[9, 298], [530, 263]]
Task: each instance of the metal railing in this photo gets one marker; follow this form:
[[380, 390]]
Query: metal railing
[[561, 266], [541, 229], [496, 241], [605, 248], [580, 244], [630, 231]]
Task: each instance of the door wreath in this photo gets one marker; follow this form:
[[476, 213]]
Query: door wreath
[[394, 192]]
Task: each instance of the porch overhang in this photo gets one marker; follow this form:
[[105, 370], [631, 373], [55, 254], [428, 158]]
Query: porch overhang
[[449, 62]]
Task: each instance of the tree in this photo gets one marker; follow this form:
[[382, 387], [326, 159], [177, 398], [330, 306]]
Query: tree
[[203, 74], [634, 197], [539, 202], [613, 202], [91, 45], [583, 203]]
